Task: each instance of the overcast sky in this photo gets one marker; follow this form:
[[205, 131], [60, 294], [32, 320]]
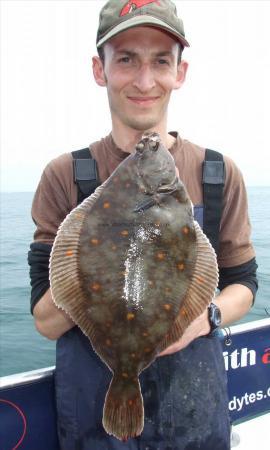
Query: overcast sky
[[51, 105]]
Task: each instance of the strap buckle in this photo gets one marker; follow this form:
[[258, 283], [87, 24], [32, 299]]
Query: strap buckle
[[85, 170], [213, 172]]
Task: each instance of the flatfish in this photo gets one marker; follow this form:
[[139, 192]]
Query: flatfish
[[133, 269]]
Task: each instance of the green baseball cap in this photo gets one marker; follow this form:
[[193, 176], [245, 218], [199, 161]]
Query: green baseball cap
[[120, 15]]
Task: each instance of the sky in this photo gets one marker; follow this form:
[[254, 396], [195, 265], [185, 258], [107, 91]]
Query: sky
[[50, 103]]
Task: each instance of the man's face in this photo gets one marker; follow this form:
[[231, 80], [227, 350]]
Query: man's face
[[140, 71]]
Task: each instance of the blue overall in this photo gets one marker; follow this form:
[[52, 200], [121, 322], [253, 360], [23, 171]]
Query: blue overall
[[185, 397]]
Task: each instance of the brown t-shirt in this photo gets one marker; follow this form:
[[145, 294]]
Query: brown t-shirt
[[56, 195]]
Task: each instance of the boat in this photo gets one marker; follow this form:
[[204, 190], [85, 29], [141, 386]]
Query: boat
[[28, 413]]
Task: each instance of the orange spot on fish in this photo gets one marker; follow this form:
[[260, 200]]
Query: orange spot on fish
[[124, 375], [114, 247], [133, 355], [200, 279], [180, 266], [95, 287], [69, 253], [185, 230], [124, 233], [130, 316], [145, 334], [168, 290], [183, 312], [160, 256], [108, 342], [95, 241], [151, 283], [147, 350], [106, 205], [130, 402], [167, 307]]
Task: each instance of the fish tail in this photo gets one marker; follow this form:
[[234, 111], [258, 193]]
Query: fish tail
[[123, 414]]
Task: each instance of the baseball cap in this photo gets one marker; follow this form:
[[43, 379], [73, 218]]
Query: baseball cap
[[120, 15]]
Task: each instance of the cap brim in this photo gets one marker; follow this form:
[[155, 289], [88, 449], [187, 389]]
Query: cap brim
[[142, 20]]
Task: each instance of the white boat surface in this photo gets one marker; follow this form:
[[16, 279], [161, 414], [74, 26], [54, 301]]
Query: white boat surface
[[253, 434]]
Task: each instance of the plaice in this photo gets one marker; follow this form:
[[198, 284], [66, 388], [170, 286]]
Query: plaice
[[133, 269]]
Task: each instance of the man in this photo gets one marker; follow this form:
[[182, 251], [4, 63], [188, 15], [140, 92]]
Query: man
[[140, 45]]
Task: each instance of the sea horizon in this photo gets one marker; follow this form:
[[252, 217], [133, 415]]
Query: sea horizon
[[22, 348]]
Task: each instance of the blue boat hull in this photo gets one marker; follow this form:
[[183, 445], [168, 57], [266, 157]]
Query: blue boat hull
[[27, 404]]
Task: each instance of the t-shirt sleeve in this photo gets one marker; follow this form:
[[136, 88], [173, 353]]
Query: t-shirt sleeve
[[55, 197], [235, 229]]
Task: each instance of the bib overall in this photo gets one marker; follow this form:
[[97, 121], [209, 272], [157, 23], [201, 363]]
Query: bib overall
[[185, 397]]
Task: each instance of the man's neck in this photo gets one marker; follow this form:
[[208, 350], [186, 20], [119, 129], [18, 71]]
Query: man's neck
[[126, 138]]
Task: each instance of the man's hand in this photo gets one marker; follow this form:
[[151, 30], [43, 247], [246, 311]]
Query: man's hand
[[234, 302], [199, 327]]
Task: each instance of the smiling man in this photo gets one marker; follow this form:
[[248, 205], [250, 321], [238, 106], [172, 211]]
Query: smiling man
[[139, 62], [140, 70]]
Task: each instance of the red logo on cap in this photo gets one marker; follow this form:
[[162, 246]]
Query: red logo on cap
[[135, 4]]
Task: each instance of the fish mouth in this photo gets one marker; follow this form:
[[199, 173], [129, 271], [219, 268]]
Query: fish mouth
[[168, 188], [157, 197]]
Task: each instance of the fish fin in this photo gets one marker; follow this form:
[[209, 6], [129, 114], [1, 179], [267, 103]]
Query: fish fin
[[63, 266], [123, 413], [66, 284], [201, 291]]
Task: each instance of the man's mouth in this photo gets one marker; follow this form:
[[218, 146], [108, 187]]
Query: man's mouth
[[143, 101]]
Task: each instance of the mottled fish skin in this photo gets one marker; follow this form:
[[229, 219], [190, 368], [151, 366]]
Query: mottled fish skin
[[136, 267], [133, 269]]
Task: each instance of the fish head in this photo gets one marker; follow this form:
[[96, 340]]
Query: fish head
[[155, 165]]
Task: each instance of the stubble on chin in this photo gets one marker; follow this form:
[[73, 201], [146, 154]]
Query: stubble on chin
[[141, 123]]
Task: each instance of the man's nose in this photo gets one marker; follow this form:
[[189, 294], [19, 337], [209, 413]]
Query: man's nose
[[144, 79]]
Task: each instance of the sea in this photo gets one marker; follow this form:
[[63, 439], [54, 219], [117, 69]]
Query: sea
[[21, 346]]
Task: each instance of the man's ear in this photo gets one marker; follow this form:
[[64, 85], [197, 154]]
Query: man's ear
[[98, 71], [181, 74]]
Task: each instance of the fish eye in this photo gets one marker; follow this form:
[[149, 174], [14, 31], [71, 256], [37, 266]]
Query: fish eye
[[140, 147], [154, 145]]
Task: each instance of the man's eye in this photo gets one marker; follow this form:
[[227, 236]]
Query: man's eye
[[124, 59], [163, 61]]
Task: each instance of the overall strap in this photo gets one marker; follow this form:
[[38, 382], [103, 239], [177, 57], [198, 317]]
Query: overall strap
[[213, 180], [85, 173]]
